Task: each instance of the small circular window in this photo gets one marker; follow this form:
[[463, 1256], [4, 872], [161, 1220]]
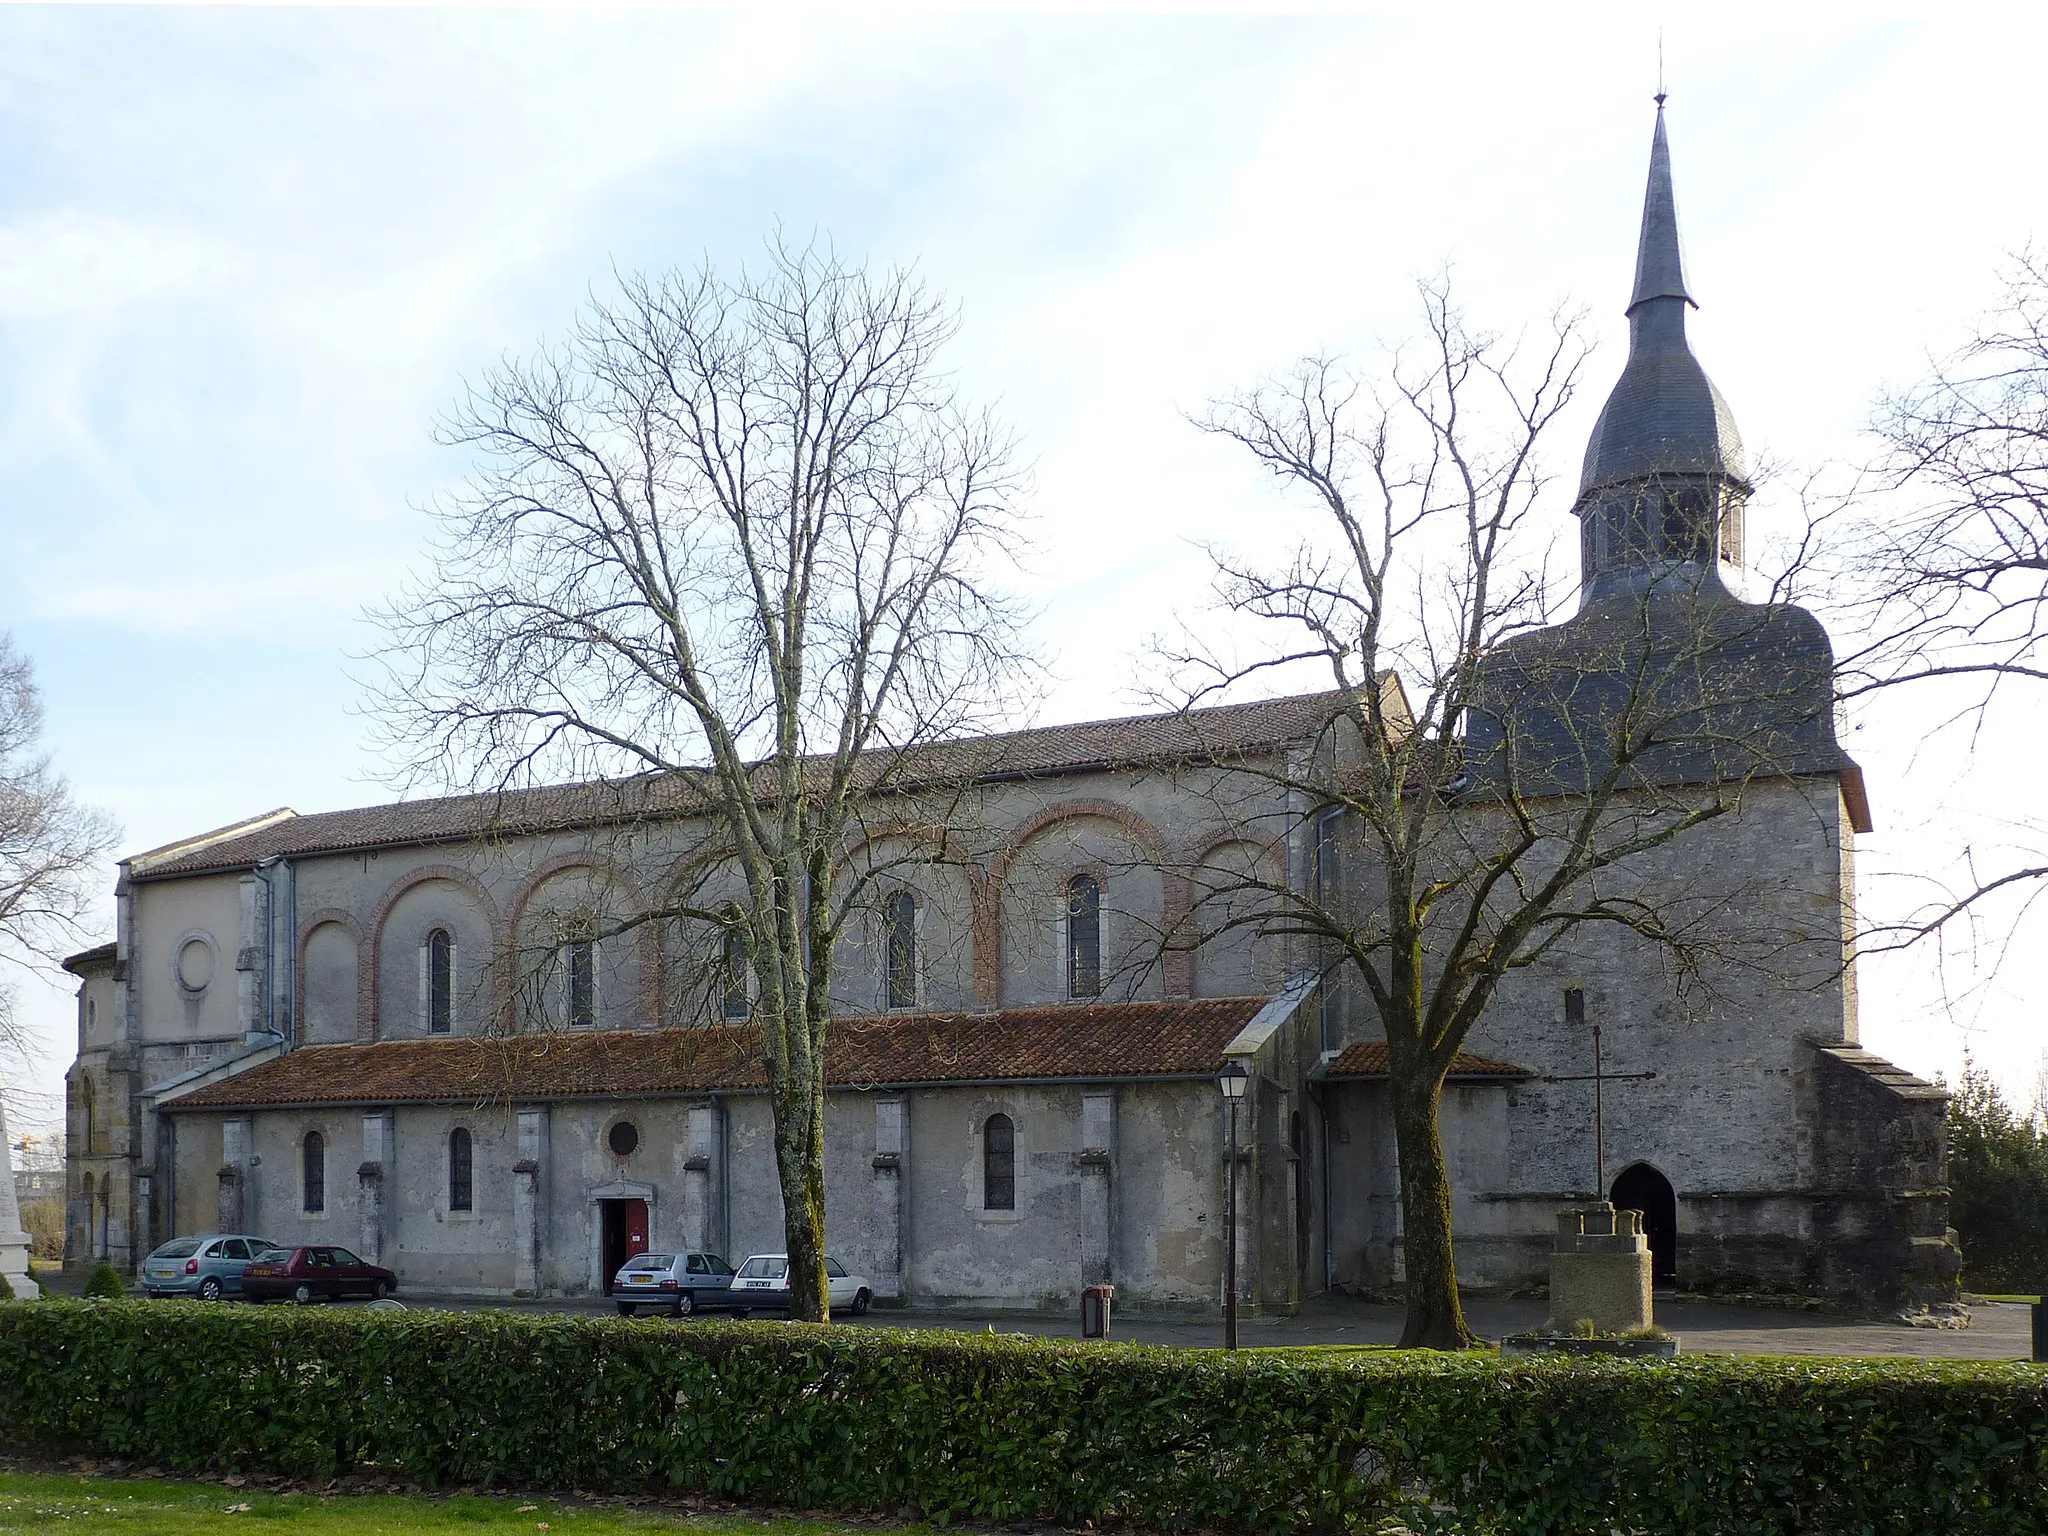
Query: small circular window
[[195, 964], [624, 1139]]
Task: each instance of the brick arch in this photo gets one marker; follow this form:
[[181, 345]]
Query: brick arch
[[686, 869], [1267, 856], [1175, 969], [345, 920], [371, 1024], [621, 879]]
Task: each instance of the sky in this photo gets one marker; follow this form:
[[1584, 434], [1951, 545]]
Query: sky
[[248, 256]]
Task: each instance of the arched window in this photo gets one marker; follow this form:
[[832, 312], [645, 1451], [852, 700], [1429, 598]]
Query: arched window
[[582, 962], [1084, 936], [85, 1116], [902, 956], [460, 1184], [313, 1173], [440, 981], [999, 1164], [732, 973]]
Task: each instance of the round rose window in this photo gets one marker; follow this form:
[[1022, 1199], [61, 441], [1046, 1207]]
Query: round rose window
[[624, 1139]]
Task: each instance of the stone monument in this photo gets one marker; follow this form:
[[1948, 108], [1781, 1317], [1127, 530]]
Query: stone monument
[[1600, 1270], [13, 1241]]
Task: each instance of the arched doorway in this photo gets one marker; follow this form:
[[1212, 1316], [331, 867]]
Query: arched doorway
[[1639, 1187]]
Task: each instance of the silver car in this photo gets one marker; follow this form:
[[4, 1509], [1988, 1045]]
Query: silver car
[[677, 1283], [208, 1267]]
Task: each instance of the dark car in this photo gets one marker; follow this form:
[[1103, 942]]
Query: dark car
[[676, 1283], [307, 1275]]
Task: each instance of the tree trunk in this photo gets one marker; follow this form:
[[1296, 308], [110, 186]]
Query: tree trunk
[[1435, 1318], [800, 1171]]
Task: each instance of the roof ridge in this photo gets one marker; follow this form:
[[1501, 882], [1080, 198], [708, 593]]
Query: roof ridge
[[165, 851]]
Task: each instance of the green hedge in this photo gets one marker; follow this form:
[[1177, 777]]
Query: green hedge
[[965, 1426]]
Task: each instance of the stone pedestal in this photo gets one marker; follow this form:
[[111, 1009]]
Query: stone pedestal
[[13, 1240], [1600, 1270]]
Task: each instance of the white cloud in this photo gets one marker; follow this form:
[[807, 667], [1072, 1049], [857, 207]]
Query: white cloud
[[68, 263]]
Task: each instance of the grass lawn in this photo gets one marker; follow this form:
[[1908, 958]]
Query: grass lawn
[[119, 1506]]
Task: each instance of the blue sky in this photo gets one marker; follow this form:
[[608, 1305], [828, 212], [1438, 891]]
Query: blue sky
[[246, 256]]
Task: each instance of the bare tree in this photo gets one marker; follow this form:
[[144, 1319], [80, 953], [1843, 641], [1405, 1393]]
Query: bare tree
[[729, 551], [50, 845], [1949, 575], [1490, 785]]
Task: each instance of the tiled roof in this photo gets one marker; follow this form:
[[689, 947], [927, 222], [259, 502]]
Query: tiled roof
[[1192, 735], [1086, 1041], [1368, 1058]]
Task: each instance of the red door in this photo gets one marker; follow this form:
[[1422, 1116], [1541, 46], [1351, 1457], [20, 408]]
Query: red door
[[625, 1234]]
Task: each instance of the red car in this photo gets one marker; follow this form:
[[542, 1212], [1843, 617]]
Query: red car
[[307, 1275]]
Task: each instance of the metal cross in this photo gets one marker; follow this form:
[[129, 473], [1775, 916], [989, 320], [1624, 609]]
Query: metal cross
[[1575, 1013]]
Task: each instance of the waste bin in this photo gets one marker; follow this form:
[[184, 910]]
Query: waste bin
[[1095, 1310]]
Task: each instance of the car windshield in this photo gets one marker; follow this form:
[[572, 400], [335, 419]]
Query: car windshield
[[182, 1248], [648, 1261], [763, 1266]]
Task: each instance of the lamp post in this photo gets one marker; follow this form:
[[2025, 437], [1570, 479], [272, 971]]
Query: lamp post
[[1232, 1082]]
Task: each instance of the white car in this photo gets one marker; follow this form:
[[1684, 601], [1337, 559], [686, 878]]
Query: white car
[[762, 1284]]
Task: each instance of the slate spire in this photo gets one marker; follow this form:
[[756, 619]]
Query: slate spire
[[1664, 476], [1660, 261]]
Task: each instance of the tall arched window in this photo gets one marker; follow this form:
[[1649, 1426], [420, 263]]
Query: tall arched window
[[1084, 936], [85, 1115], [440, 981], [732, 973], [582, 963], [902, 956], [999, 1164], [313, 1173], [460, 1183]]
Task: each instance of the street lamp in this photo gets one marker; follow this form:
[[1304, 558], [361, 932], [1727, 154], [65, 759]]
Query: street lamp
[[1231, 1080]]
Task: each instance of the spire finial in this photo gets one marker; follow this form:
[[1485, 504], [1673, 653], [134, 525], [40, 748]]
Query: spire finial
[[1660, 69], [1660, 270]]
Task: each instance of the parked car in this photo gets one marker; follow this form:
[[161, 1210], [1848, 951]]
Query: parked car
[[678, 1283], [762, 1283], [307, 1275], [209, 1267]]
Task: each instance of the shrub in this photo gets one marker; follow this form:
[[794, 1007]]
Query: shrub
[[1005, 1428], [6, 1289], [105, 1281], [43, 1220]]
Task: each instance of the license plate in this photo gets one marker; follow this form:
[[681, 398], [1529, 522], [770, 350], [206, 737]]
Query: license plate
[[163, 1274], [643, 1279]]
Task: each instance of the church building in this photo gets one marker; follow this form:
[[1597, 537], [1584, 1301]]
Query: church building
[[322, 1028]]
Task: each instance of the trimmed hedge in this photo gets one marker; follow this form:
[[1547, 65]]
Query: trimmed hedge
[[1002, 1428]]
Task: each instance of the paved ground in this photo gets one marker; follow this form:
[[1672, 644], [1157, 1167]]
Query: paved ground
[[1997, 1331]]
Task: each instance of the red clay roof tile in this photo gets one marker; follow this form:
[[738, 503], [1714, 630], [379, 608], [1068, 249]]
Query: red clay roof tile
[[1368, 1058], [1075, 1040]]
